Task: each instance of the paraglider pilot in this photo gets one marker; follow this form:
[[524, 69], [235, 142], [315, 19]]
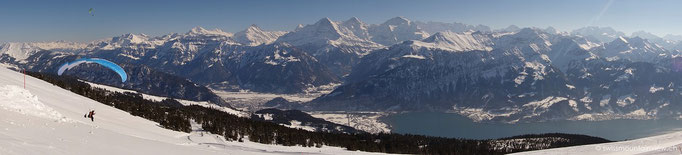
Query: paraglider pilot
[[91, 115]]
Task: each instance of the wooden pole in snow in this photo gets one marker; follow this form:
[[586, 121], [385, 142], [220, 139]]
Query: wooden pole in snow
[[24, 78]]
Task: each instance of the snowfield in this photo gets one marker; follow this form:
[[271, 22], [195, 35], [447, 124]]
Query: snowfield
[[670, 143], [45, 119], [23, 102]]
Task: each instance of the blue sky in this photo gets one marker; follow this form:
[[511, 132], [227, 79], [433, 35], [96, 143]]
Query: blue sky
[[49, 20]]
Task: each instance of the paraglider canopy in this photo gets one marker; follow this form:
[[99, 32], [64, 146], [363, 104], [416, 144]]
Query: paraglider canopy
[[102, 62], [90, 11]]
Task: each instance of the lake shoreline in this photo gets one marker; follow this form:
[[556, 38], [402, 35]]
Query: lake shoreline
[[453, 125]]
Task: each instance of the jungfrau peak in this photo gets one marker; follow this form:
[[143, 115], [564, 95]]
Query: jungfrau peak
[[358, 28], [254, 35]]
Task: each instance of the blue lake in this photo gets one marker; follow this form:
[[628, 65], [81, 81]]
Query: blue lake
[[457, 126]]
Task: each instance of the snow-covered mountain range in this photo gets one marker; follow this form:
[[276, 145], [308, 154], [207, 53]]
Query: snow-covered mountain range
[[529, 75], [511, 74]]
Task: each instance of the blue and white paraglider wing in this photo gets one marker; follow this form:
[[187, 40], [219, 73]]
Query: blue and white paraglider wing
[[102, 62]]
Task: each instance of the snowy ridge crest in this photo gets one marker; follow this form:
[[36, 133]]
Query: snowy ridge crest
[[456, 42]]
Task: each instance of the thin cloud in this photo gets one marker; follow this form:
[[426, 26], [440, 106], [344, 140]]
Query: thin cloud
[[601, 13]]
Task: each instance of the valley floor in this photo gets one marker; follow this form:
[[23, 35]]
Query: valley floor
[[365, 121], [253, 101]]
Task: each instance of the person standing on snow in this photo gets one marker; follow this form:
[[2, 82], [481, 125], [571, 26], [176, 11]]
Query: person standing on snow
[[91, 115]]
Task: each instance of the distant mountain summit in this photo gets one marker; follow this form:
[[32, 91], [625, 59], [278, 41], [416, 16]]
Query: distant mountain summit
[[335, 45], [254, 35], [396, 30], [633, 49], [598, 34]]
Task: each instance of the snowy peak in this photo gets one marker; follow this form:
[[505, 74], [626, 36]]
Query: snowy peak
[[298, 27], [353, 21], [672, 37], [325, 27], [397, 21], [130, 41], [22, 50], [552, 30], [534, 37], [18, 51], [254, 35], [325, 31], [396, 30], [663, 42], [529, 32], [434, 27], [632, 43], [633, 49], [131, 38], [253, 28], [319, 33], [200, 31], [646, 35], [327, 23], [457, 42], [598, 34], [510, 28], [357, 28]]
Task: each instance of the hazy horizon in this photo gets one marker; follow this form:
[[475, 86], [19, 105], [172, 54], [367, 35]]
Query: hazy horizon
[[71, 21]]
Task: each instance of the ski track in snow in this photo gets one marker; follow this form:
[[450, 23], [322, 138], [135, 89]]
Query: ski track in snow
[[45, 119]]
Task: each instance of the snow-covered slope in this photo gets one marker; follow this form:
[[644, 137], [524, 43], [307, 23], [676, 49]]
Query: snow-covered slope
[[662, 144], [62, 130]]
